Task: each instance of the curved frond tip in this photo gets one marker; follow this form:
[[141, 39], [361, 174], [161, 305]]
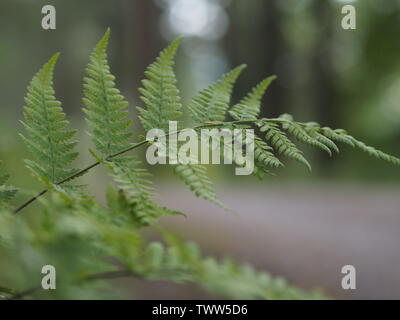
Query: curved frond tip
[[212, 103], [105, 106], [47, 137], [160, 93], [249, 107]]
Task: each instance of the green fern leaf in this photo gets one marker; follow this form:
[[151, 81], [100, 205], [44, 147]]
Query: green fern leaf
[[47, 139], [160, 93], [337, 135], [105, 106], [374, 152], [154, 256], [260, 172], [297, 131], [313, 131], [249, 108], [147, 212], [282, 144], [263, 154], [182, 262], [212, 103], [195, 176], [107, 119], [263, 158], [342, 136], [138, 193], [131, 179]]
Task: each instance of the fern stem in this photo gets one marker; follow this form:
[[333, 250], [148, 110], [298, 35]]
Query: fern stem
[[27, 203], [137, 145]]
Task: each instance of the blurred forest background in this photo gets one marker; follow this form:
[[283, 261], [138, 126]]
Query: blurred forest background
[[300, 225]]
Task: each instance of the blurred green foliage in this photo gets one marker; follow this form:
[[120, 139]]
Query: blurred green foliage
[[339, 78]]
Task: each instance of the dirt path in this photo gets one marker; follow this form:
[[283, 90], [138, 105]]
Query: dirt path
[[305, 233]]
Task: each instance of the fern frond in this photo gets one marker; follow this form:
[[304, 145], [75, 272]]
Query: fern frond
[[263, 154], [130, 178], [374, 152], [183, 263], [249, 107], [297, 131], [260, 171], [48, 140], [195, 176], [337, 135], [313, 131], [212, 102], [6, 192], [107, 119], [282, 144], [105, 106], [160, 93], [342, 136], [137, 192], [324, 138]]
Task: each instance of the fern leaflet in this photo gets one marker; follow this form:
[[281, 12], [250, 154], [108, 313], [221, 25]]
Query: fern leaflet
[[282, 144], [195, 176], [337, 135], [249, 107], [212, 103], [342, 136], [47, 139], [313, 132], [160, 93], [373, 152], [104, 104], [182, 262], [137, 192], [263, 154], [296, 130]]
